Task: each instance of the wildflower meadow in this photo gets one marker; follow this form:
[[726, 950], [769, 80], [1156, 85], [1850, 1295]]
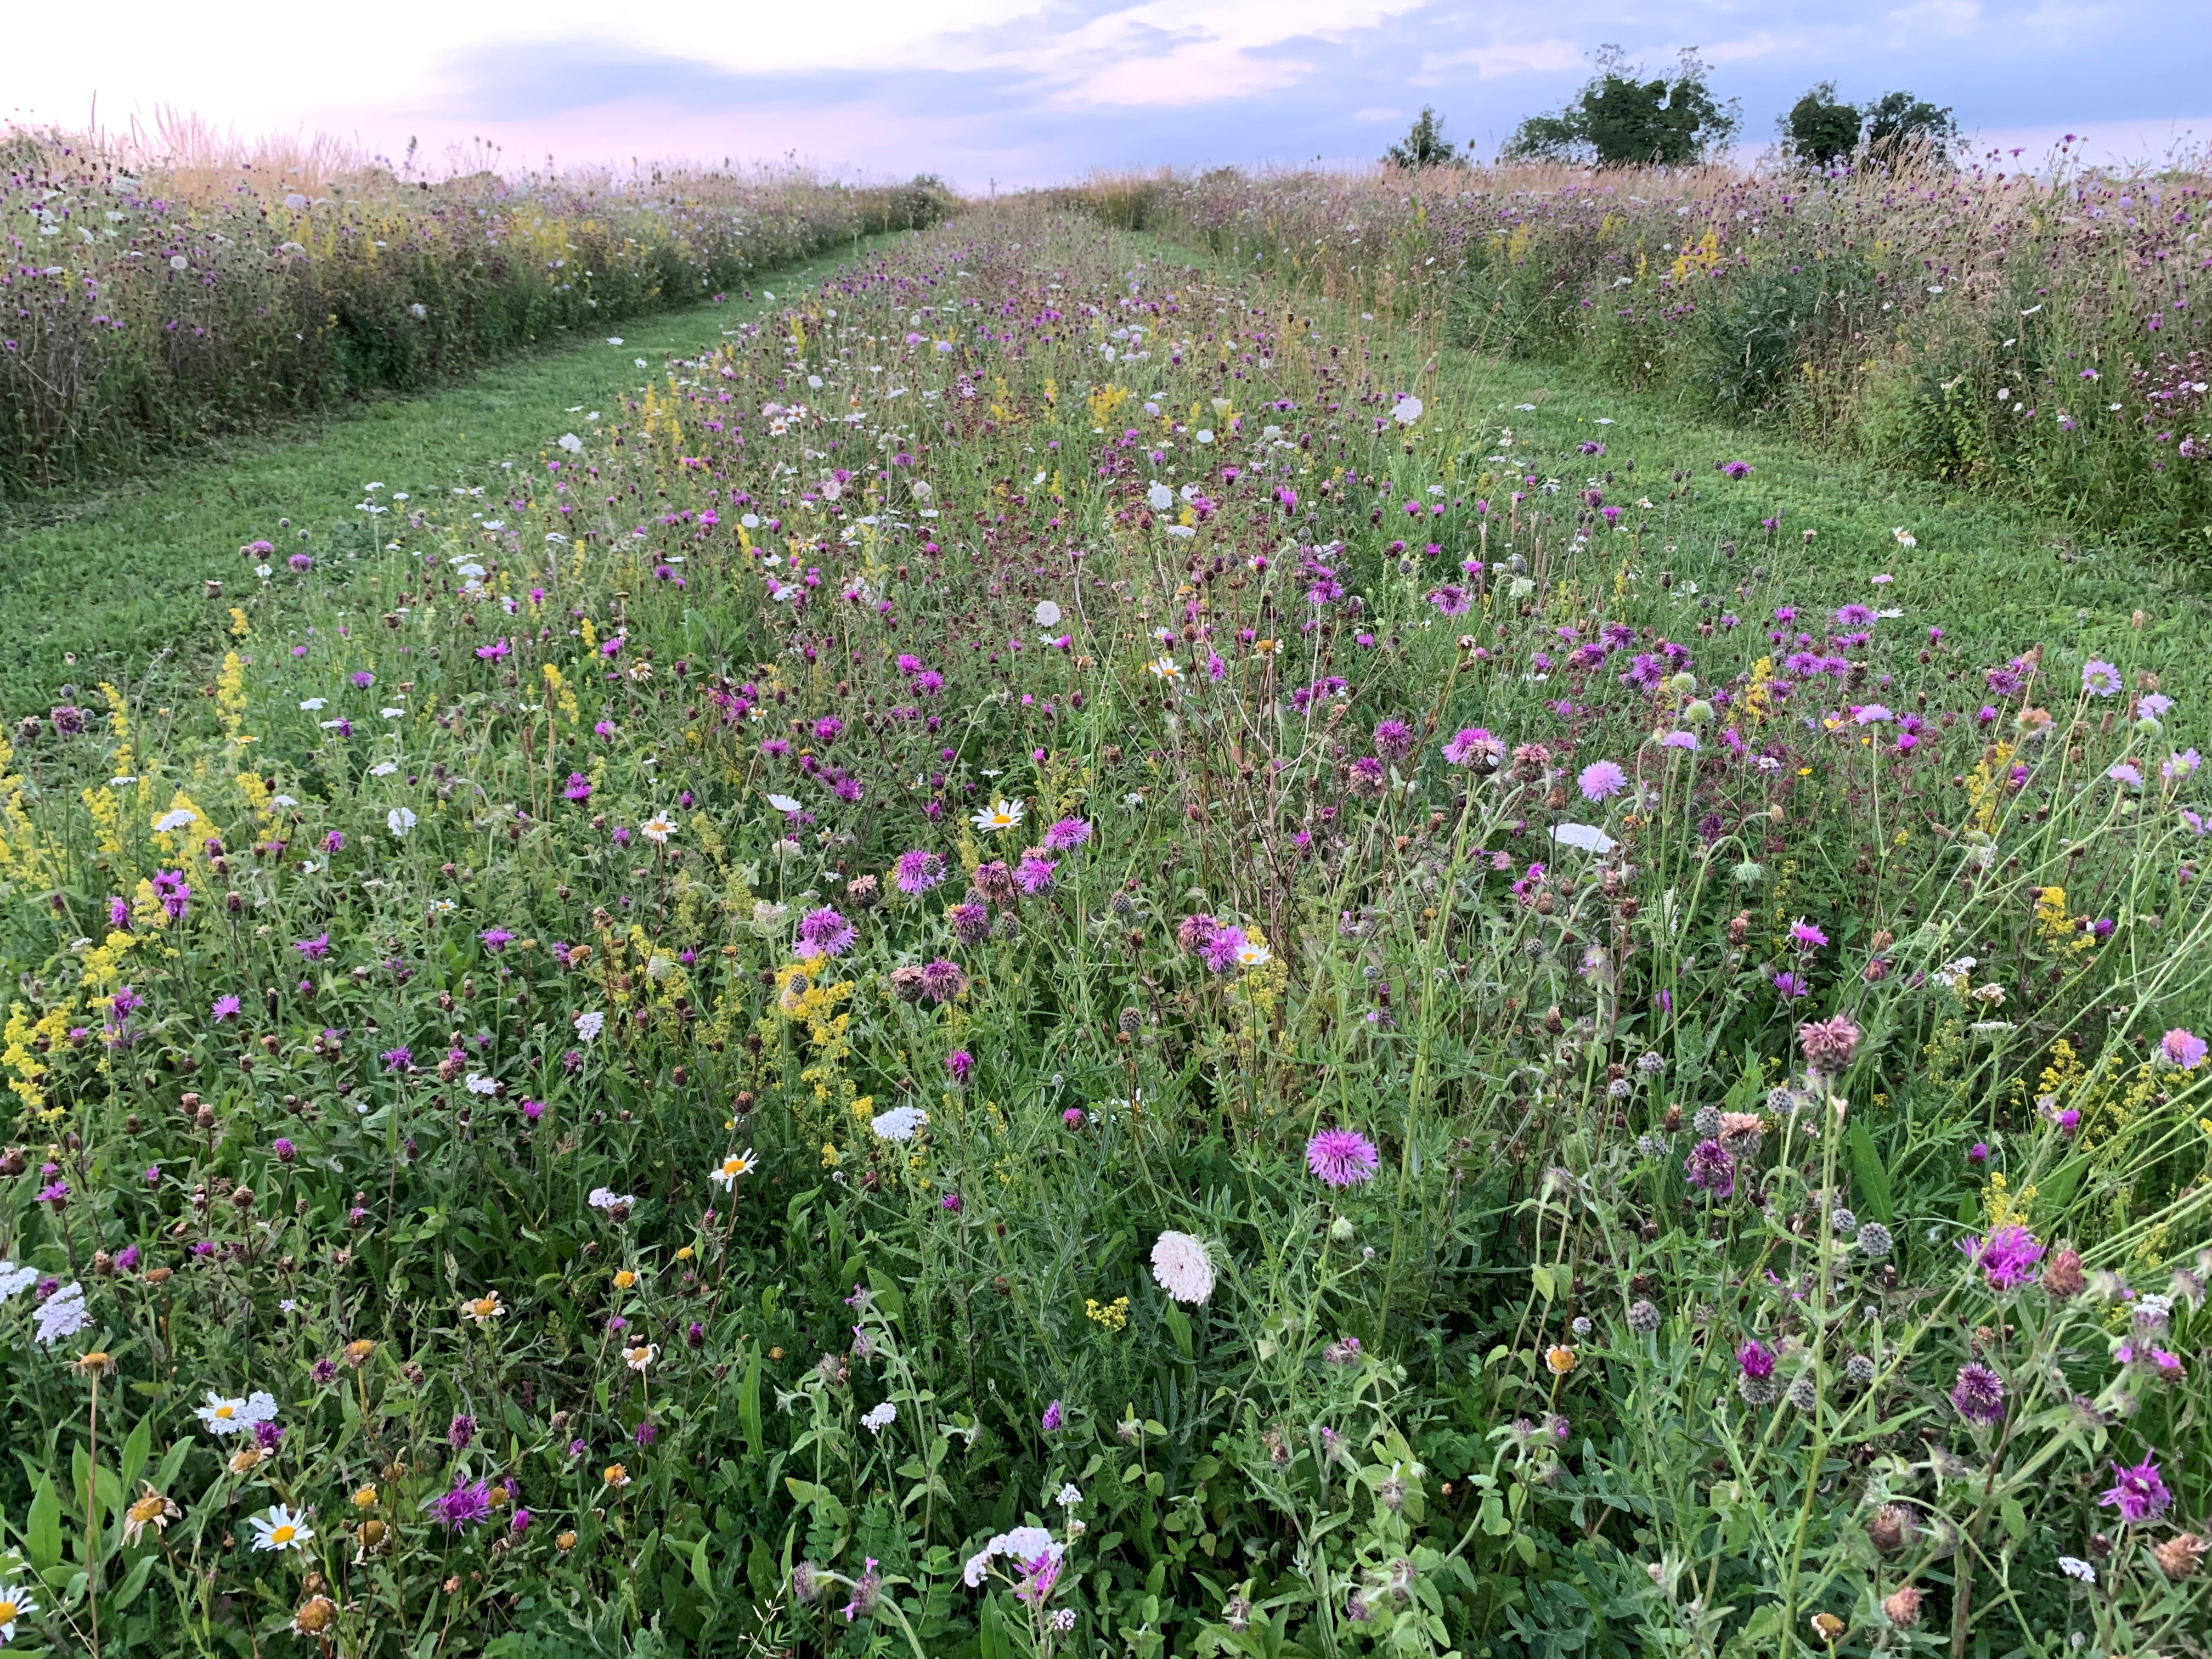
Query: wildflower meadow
[[2029, 324], [182, 285], [1060, 956]]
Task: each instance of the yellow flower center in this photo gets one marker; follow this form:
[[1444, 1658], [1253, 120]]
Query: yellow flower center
[[282, 1535], [226, 1411], [7, 1612]]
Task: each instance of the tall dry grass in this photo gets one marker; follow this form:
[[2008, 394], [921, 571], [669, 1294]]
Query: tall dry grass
[[2042, 331], [175, 282]]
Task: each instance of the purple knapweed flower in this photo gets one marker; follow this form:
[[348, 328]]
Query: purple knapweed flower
[[2137, 1492], [1342, 1158]]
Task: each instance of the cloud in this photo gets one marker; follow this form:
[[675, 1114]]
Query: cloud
[[1033, 90], [1504, 59]]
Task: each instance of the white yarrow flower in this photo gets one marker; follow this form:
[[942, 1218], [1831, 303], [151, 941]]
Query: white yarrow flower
[[62, 1315], [399, 820], [880, 1418], [590, 1025]]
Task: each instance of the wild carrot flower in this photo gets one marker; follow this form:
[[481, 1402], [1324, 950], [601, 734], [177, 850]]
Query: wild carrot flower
[[1182, 1267], [1342, 1158], [901, 1122]]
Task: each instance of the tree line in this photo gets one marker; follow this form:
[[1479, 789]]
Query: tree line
[[1623, 118]]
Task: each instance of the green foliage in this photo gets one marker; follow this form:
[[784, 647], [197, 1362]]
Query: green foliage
[[1424, 146], [1821, 128], [619, 1102], [1621, 119], [1899, 125]]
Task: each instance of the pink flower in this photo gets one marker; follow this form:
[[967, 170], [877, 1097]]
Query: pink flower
[[2137, 1493], [1601, 780], [918, 872], [2007, 1257], [2182, 1049], [1342, 1158]]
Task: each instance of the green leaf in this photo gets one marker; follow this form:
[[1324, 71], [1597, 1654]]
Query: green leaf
[[137, 1449], [1541, 1276], [749, 1402], [42, 1532], [1178, 1324], [174, 1459], [2015, 1519], [888, 1295], [704, 1574], [760, 1569], [1872, 1174], [141, 1570]]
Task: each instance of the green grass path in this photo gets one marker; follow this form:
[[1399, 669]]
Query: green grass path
[[113, 578], [97, 587], [1997, 577]]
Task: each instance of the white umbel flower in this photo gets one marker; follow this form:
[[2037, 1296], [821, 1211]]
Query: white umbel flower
[[1183, 1269], [899, 1123]]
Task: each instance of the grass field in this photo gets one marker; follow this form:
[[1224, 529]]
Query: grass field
[[1062, 952], [112, 578]]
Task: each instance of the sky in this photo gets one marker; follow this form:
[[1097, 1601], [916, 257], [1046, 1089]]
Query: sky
[[1007, 93]]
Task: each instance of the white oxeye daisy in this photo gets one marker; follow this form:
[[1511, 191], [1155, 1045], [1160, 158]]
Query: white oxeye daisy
[[1252, 955], [657, 829], [279, 1529], [1166, 668], [642, 1355], [736, 1165], [16, 1603], [1000, 815]]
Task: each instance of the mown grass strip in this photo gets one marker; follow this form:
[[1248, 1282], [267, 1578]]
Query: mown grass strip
[[112, 584]]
